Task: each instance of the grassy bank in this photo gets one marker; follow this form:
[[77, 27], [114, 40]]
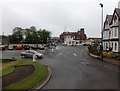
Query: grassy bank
[[38, 75]]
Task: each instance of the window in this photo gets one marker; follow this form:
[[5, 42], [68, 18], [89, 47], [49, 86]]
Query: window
[[115, 33], [72, 42], [112, 32], [106, 45], [69, 42], [115, 46], [112, 45]]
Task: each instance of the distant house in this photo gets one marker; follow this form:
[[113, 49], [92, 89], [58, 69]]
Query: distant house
[[73, 38], [95, 40], [111, 32]]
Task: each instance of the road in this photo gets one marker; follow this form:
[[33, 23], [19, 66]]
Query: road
[[73, 68]]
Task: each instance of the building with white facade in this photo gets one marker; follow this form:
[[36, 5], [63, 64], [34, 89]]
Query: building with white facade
[[106, 33], [111, 32], [73, 38]]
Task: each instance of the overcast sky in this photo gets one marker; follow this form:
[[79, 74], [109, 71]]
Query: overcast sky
[[54, 15]]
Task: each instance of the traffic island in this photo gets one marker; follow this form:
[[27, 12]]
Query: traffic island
[[30, 75]]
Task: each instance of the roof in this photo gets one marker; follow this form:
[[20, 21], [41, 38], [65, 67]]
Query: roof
[[117, 11], [109, 17]]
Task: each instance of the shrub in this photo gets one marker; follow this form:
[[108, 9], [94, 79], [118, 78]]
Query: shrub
[[116, 56], [104, 54], [108, 54], [93, 50]]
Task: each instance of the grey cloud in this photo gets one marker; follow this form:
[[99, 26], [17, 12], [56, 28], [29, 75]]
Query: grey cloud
[[54, 15]]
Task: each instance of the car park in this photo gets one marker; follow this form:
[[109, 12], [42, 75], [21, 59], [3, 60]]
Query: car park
[[30, 53]]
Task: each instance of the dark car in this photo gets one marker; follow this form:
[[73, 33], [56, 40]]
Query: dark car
[[34, 47], [2, 47], [30, 53], [53, 44], [26, 47], [41, 47]]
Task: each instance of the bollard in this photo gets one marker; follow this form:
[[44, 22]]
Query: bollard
[[34, 57]]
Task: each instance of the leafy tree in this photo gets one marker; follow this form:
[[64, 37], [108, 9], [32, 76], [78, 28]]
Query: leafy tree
[[43, 35], [31, 35], [17, 35]]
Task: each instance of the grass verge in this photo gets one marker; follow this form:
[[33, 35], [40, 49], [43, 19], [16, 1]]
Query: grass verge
[[38, 75]]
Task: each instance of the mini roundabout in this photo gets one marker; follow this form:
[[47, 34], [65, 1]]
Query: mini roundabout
[[23, 74]]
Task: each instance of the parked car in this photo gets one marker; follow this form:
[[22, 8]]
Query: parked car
[[30, 53], [10, 47], [41, 47], [18, 47], [26, 47], [34, 47], [2, 47], [53, 44]]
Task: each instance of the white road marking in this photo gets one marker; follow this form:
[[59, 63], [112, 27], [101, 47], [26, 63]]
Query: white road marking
[[60, 53], [75, 54], [85, 63]]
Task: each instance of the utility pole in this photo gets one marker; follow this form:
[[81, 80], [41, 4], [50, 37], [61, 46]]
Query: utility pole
[[101, 44]]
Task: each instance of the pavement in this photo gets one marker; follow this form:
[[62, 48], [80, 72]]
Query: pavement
[[73, 68]]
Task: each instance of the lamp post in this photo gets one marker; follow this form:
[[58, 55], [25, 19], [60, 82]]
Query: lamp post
[[101, 44]]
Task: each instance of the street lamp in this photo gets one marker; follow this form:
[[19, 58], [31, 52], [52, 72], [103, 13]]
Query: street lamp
[[101, 44]]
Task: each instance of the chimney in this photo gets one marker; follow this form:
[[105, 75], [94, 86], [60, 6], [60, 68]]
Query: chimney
[[119, 4], [82, 31]]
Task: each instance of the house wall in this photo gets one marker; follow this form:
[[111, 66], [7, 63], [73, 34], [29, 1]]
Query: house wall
[[119, 36], [114, 29], [68, 40]]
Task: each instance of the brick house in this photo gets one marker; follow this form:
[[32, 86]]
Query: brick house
[[73, 38], [111, 32]]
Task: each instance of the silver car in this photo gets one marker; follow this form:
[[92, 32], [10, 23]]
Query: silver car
[[30, 53]]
